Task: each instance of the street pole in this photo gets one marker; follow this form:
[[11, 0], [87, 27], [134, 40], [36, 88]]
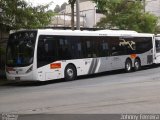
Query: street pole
[[77, 15], [144, 5]]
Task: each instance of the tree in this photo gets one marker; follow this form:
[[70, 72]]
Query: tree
[[72, 2], [125, 14], [57, 9], [63, 6], [19, 14]]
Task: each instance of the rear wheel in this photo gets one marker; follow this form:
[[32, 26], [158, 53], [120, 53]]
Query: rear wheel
[[128, 65], [137, 64], [70, 73]]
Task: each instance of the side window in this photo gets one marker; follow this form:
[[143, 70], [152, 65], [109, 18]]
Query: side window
[[116, 47], [96, 46], [69, 47], [64, 47], [143, 44], [91, 46], [73, 47], [86, 46], [77, 48], [127, 45], [104, 47]]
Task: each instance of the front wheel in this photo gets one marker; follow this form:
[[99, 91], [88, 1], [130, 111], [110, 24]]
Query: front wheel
[[70, 73], [128, 65], [137, 64]]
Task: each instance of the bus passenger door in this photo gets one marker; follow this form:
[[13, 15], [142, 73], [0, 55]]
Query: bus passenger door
[[157, 47]]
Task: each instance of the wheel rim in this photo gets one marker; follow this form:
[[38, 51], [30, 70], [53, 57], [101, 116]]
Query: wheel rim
[[70, 72], [136, 64], [128, 66]]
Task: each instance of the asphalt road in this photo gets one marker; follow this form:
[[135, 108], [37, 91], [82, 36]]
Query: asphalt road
[[110, 92]]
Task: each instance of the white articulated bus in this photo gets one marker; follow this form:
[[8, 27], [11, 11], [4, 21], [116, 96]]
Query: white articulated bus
[[48, 54]]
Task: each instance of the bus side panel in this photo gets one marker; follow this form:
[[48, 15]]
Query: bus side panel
[[56, 69], [146, 58], [47, 72], [83, 67]]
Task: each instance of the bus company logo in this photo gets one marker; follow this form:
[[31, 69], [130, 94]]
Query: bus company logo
[[9, 117], [127, 43]]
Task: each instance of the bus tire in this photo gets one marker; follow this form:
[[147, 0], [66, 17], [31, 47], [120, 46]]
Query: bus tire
[[70, 73], [128, 65], [137, 64]]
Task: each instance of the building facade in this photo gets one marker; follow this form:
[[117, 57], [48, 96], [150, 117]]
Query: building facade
[[88, 15], [153, 6]]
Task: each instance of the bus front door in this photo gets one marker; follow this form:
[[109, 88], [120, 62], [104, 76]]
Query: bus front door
[[157, 53]]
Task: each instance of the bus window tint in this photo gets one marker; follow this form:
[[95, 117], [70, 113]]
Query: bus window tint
[[91, 46], [116, 48], [143, 45], [53, 48], [64, 51], [69, 47], [104, 48], [134, 45]]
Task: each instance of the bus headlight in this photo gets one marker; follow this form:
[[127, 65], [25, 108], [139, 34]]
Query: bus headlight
[[30, 69], [9, 69]]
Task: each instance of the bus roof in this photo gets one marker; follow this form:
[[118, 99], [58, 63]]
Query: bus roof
[[93, 33], [90, 33]]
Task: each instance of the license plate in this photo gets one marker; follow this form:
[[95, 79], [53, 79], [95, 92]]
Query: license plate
[[17, 78]]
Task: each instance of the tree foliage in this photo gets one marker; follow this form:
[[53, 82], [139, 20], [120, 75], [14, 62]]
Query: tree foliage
[[57, 9], [19, 14], [63, 6], [126, 14]]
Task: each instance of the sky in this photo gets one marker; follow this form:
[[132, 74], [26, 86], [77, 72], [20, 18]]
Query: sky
[[43, 2]]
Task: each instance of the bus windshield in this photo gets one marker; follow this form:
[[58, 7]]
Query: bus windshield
[[20, 49]]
